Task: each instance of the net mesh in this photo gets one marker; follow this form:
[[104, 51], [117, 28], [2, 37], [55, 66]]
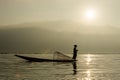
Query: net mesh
[[60, 56]]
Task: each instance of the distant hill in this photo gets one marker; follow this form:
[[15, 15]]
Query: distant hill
[[59, 35]]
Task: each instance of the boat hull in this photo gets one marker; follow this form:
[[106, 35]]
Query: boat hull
[[32, 59]]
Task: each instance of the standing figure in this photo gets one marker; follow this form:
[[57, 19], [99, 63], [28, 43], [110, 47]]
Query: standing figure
[[75, 52]]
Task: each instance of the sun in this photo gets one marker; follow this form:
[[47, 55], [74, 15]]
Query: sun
[[90, 14]]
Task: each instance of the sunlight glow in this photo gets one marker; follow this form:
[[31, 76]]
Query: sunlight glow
[[89, 14], [88, 73], [88, 59]]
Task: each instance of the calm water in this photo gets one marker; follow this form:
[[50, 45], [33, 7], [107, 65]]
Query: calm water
[[88, 67]]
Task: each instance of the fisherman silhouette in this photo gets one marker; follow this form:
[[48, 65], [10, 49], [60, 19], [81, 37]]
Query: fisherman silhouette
[[75, 52]]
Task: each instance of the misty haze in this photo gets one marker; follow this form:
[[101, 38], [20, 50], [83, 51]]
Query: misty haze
[[59, 40], [59, 35]]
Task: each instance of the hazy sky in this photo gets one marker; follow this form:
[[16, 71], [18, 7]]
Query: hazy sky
[[106, 12]]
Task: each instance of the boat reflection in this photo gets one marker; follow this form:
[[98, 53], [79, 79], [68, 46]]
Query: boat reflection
[[74, 68]]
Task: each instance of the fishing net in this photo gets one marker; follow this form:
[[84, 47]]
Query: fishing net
[[60, 56]]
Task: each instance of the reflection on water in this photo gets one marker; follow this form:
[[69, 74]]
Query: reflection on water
[[74, 68], [88, 77], [88, 73], [88, 67], [88, 59]]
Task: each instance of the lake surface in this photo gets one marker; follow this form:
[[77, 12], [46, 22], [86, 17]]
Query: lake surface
[[88, 67]]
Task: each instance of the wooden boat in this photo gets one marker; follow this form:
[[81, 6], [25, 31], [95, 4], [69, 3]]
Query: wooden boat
[[32, 59]]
